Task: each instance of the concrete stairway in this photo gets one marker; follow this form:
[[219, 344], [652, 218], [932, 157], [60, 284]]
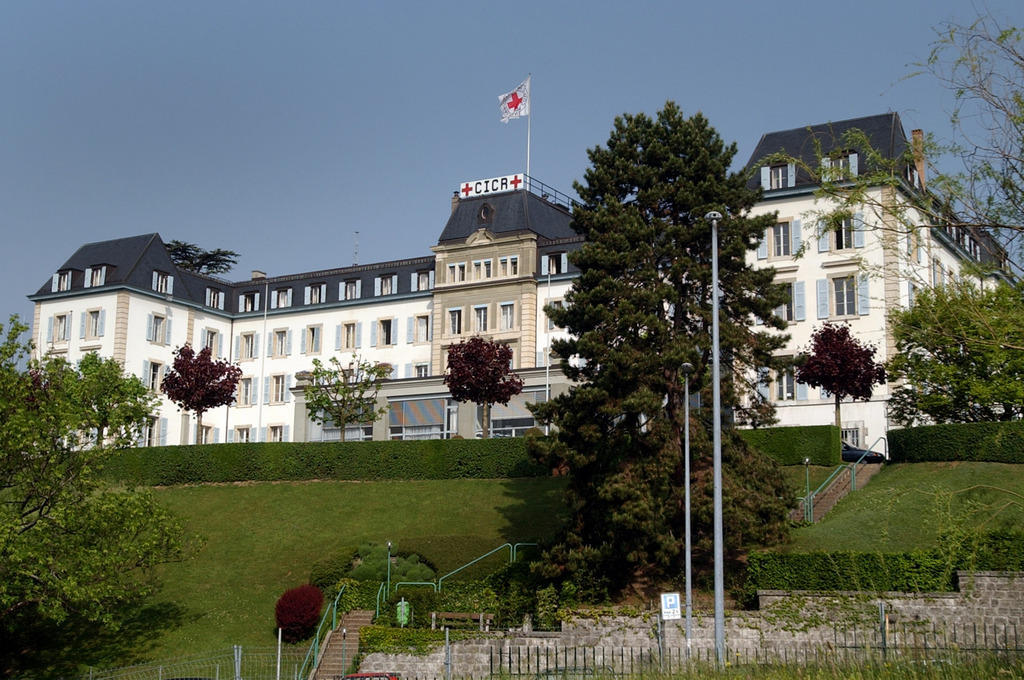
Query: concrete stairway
[[339, 651], [838, 490]]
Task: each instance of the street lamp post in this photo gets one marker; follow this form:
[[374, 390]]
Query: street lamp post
[[389, 570], [713, 217], [687, 369]]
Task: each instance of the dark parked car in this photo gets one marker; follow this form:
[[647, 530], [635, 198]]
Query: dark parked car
[[851, 454]]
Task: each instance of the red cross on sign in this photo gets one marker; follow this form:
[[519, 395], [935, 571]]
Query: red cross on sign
[[515, 101], [467, 190], [516, 182], [492, 185]]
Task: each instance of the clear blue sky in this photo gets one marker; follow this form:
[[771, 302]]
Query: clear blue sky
[[279, 129]]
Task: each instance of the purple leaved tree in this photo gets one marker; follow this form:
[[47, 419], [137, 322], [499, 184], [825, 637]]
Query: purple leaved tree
[[198, 383], [841, 364], [480, 371]]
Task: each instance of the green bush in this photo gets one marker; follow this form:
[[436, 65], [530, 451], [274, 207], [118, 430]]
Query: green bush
[[916, 571], [981, 442], [791, 445], [369, 461]]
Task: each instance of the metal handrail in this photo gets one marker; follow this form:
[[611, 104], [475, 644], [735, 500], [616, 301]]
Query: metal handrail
[[416, 583], [471, 563], [314, 647], [853, 466]]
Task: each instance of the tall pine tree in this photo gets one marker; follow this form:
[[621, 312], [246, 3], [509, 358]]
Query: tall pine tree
[[640, 308]]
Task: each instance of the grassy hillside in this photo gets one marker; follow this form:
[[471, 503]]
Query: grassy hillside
[[261, 539], [907, 506]]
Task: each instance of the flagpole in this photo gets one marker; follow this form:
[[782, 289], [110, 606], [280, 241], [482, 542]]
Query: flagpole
[[529, 122]]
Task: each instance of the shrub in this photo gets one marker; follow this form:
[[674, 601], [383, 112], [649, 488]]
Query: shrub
[[327, 573], [298, 611], [367, 461], [791, 445], [982, 442]]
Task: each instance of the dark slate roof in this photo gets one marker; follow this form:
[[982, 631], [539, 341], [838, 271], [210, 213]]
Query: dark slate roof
[[129, 260], [512, 212], [884, 131]]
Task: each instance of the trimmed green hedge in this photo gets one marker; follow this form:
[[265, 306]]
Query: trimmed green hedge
[[262, 462], [790, 445], [931, 570], [982, 442]]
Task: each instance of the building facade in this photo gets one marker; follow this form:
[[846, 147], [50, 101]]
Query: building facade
[[501, 257]]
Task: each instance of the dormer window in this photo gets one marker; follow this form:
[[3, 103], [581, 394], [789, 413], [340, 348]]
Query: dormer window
[[163, 283], [316, 293], [351, 290], [841, 164], [249, 302], [385, 285], [95, 276], [214, 298], [779, 177], [282, 297], [61, 282]]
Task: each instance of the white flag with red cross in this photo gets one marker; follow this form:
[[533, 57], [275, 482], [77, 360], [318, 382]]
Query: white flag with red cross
[[515, 103]]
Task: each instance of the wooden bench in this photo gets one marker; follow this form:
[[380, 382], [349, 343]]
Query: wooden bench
[[443, 619]]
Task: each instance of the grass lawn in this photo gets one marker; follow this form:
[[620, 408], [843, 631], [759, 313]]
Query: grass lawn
[[261, 539], [907, 506]]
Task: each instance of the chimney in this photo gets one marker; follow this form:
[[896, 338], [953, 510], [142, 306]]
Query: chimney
[[257, 274], [918, 146], [455, 200]]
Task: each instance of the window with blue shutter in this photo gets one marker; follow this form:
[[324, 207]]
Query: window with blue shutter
[[863, 297], [266, 389], [801, 391], [100, 329], [762, 247], [799, 303], [858, 230], [376, 286], [373, 335], [337, 338], [163, 432], [766, 177], [410, 330], [791, 175], [359, 334], [88, 277], [81, 324], [286, 436], [823, 238], [797, 237]]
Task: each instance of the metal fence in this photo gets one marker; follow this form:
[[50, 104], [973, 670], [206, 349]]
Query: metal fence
[[237, 663]]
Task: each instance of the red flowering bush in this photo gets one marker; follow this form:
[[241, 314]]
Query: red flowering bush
[[298, 611]]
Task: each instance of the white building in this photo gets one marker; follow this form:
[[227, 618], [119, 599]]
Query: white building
[[857, 273], [500, 258]]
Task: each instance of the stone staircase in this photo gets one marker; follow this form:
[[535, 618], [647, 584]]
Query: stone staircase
[[339, 650], [837, 490]]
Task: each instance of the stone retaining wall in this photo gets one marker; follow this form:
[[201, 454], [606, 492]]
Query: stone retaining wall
[[984, 614]]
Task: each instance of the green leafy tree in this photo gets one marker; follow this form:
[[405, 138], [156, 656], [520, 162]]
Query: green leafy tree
[[195, 259], [841, 364], [69, 546], [198, 383], [640, 309], [959, 355], [480, 371], [338, 394]]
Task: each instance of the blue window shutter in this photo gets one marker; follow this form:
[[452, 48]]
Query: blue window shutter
[[305, 295], [273, 300], [167, 331], [359, 288], [823, 238], [853, 164], [791, 175], [412, 281], [149, 328], [801, 391], [540, 358], [394, 284], [858, 230], [231, 436], [216, 435], [762, 247], [394, 330], [408, 370], [762, 385], [376, 286], [410, 328], [265, 434], [288, 342], [170, 285], [156, 276], [285, 433], [822, 290], [257, 295], [565, 262], [220, 302], [337, 337], [270, 344], [163, 432], [359, 334], [796, 237], [81, 324], [799, 304], [145, 372], [543, 265], [863, 298], [302, 343], [430, 327], [394, 372], [220, 345], [55, 283], [373, 334], [266, 389], [289, 381], [238, 347], [323, 292], [102, 324], [241, 302], [431, 277], [766, 177], [88, 276], [255, 344]]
